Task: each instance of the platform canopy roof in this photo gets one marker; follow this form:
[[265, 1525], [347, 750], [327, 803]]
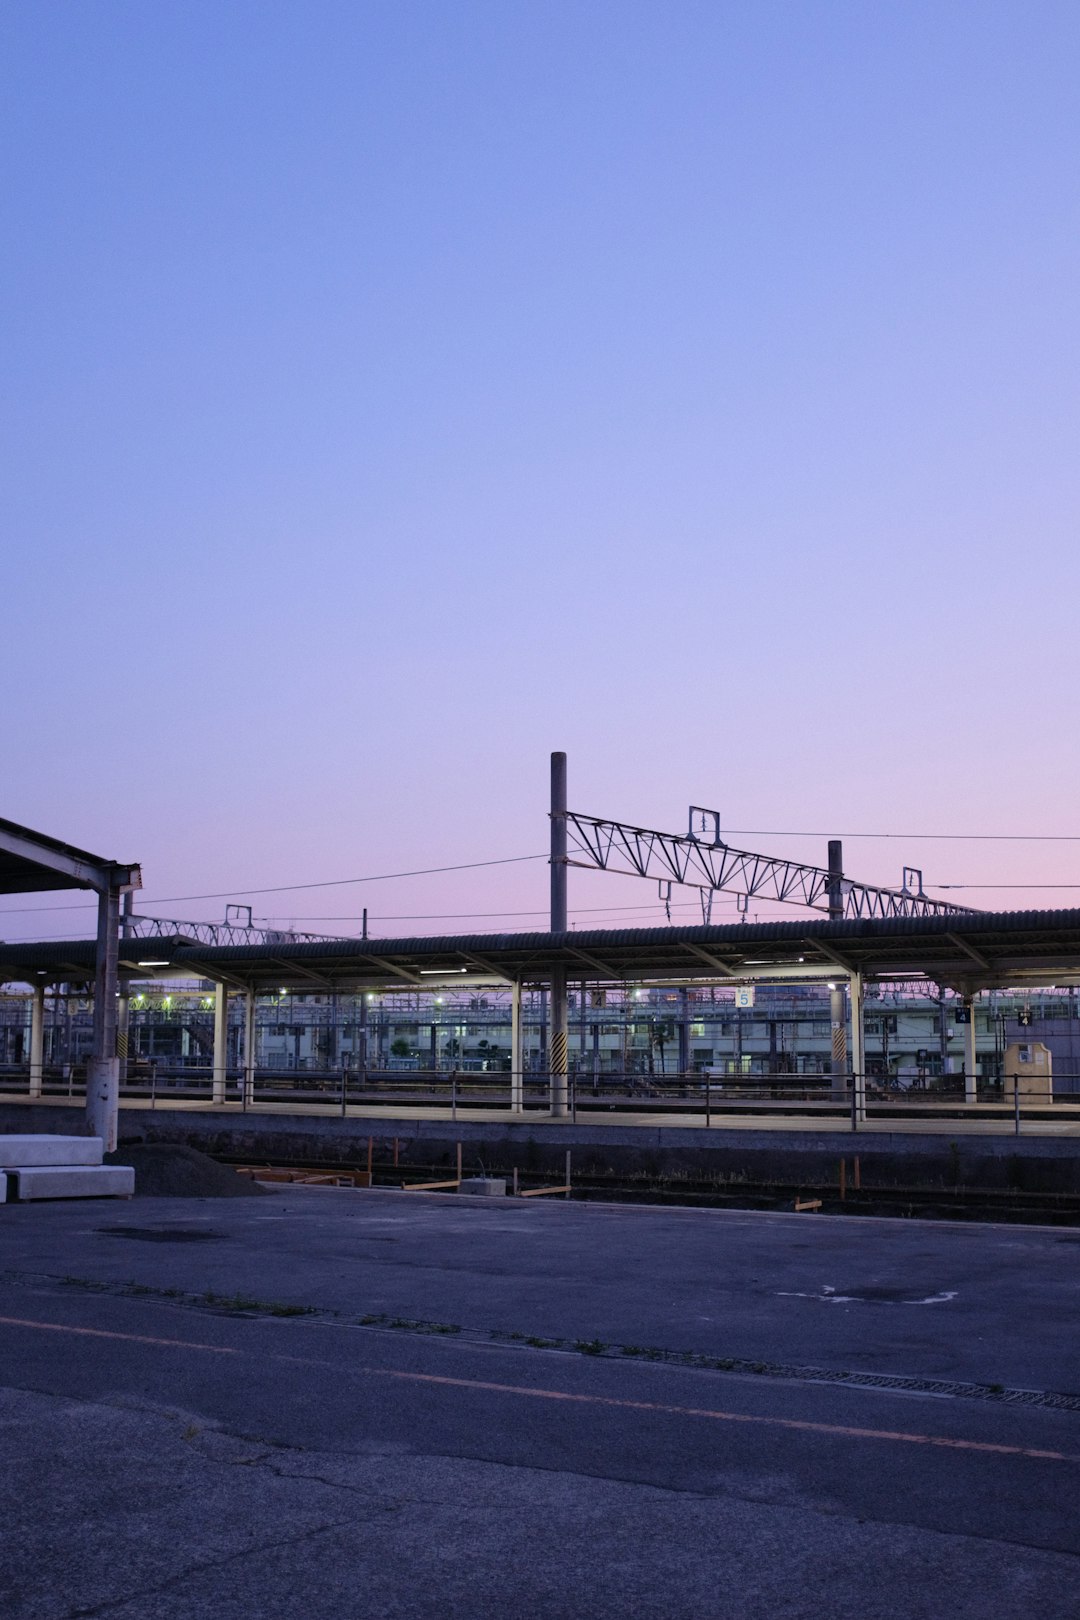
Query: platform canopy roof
[[32, 861], [968, 952]]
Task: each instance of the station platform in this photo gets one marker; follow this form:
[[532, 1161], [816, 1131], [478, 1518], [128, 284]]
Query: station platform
[[925, 1119]]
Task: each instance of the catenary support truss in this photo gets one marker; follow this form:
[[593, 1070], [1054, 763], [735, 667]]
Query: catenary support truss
[[709, 864]]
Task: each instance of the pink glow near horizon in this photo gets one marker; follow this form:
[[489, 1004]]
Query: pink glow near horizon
[[396, 396]]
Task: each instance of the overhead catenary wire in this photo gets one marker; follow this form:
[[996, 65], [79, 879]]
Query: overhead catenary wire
[[328, 883], [970, 838]]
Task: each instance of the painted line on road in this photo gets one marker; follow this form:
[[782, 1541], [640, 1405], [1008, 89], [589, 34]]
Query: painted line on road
[[539, 1393], [132, 1338], [842, 1431]]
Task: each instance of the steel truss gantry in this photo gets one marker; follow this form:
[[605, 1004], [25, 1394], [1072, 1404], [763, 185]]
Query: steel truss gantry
[[204, 933], [705, 862]]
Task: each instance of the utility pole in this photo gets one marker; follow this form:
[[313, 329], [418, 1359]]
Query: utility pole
[[557, 1060]]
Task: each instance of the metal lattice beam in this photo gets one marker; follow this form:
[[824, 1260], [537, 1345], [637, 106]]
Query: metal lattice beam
[[613, 846], [204, 933]]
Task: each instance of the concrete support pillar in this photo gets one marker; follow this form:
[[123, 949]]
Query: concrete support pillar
[[970, 1086], [103, 1072], [858, 1055], [37, 1039], [251, 1054], [557, 1049], [221, 1041], [517, 1055]]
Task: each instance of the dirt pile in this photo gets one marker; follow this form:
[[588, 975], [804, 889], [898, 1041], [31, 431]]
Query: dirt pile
[[170, 1170]]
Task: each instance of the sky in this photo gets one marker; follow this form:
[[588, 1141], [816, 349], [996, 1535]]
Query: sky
[[397, 391]]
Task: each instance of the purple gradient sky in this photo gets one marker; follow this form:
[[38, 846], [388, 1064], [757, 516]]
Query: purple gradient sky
[[396, 392]]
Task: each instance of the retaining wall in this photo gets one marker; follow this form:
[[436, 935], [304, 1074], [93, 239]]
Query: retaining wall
[[895, 1159]]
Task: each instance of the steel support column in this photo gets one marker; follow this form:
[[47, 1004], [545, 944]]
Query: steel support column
[[517, 1056], [221, 1039], [943, 1032], [557, 1049], [251, 1055], [971, 1090], [838, 1021], [858, 1055], [37, 1039], [684, 1032]]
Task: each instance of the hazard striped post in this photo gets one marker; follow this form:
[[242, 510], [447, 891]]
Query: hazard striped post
[[557, 1051]]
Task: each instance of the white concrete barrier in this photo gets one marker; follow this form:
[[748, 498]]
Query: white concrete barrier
[[25, 1151], [72, 1181]]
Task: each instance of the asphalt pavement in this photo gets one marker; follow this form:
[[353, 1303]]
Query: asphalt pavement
[[376, 1404]]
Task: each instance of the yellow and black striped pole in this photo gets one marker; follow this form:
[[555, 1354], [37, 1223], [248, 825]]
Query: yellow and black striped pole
[[559, 1017]]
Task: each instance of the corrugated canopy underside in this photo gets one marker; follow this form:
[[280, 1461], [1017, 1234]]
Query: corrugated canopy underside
[[979, 949]]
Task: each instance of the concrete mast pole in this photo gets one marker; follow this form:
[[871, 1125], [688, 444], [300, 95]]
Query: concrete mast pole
[[221, 1037], [37, 1039], [837, 1007], [103, 1071], [517, 1066], [557, 1054]]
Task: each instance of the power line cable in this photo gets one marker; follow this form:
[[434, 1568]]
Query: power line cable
[[330, 883], [990, 838]]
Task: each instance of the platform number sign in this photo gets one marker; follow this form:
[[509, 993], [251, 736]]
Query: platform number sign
[[744, 996]]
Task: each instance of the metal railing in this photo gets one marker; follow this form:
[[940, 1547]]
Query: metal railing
[[706, 1099]]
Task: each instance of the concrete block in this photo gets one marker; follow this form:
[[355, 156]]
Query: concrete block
[[24, 1151], [485, 1186], [73, 1181]]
